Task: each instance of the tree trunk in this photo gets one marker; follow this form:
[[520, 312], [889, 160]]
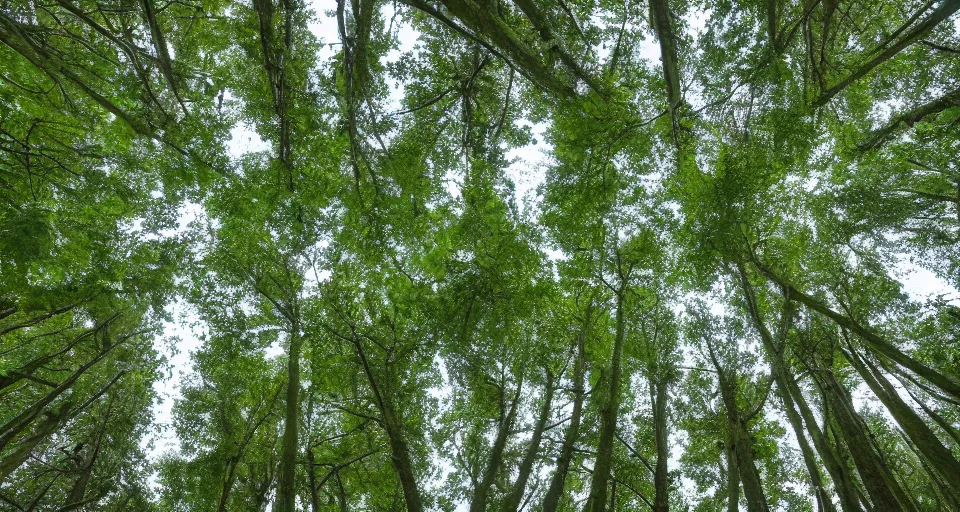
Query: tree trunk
[[286, 492], [792, 400], [733, 473], [948, 384], [946, 8], [660, 18], [400, 451], [551, 499], [884, 491], [739, 437], [24, 447], [512, 503], [658, 395], [930, 447], [21, 421], [79, 488], [597, 500], [494, 463], [910, 117]]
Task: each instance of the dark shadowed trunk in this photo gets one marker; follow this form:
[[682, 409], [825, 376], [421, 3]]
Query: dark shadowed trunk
[[514, 498], [551, 499], [286, 491], [739, 437], [609, 410], [881, 485], [938, 456], [793, 400], [494, 463], [661, 485], [878, 344]]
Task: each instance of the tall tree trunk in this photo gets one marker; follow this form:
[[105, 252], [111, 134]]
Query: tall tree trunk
[[551, 499], [494, 463], [660, 18], [772, 22], [400, 451], [609, 410], [743, 450], [942, 12], [18, 423], [26, 370], [739, 437], [937, 455], [884, 490], [79, 488], [392, 424], [286, 492], [792, 400], [878, 344], [51, 422], [658, 395], [512, 502], [733, 473]]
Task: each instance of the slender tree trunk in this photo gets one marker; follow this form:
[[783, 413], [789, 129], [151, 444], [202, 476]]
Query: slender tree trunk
[[942, 12], [743, 450], [937, 455], [551, 499], [228, 483], [512, 502], [772, 21], [658, 395], [400, 451], [884, 491], [22, 450], [21, 421], [494, 463], [948, 384], [26, 370], [733, 473], [609, 410], [312, 480], [660, 16], [739, 438], [286, 492], [79, 488], [393, 426], [792, 400]]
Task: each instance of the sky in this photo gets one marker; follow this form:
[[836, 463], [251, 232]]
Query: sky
[[182, 335]]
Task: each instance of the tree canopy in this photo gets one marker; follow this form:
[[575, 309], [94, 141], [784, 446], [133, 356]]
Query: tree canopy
[[480, 255]]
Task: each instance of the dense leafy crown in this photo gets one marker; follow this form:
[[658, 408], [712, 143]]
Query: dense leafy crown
[[479, 255]]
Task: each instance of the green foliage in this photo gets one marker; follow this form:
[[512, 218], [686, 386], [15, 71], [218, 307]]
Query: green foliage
[[385, 294]]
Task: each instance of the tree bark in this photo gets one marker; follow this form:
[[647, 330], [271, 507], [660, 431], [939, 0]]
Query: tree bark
[[660, 18], [938, 456], [942, 12], [661, 485], [609, 410], [909, 118], [551, 499], [22, 451], [793, 399], [514, 498], [884, 490], [494, 463], [286, 492], [21, 421], [948, 384], [733, 473]]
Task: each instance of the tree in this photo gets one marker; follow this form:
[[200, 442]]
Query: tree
[[498, 256]]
